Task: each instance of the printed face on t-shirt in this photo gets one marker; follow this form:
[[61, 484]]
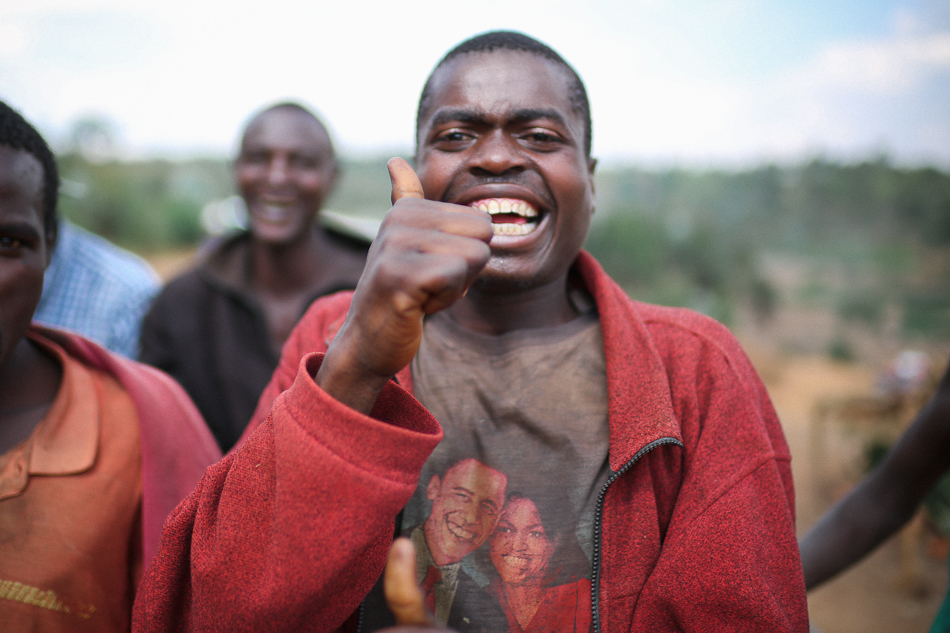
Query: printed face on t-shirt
[[466, 503], [520, 549]]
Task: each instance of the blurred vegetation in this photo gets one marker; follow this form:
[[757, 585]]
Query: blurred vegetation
[[868, 235], [858, 238]]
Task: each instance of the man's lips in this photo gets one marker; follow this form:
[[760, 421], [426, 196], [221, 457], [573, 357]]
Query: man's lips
[[510, 216], [273, 210], [460, 531]]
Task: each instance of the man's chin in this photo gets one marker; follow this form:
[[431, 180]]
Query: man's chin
[[500, 279]]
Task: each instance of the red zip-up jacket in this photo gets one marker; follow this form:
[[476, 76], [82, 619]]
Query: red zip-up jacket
[[694, 531]]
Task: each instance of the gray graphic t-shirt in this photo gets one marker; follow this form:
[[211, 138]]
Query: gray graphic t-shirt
[[503, 516]]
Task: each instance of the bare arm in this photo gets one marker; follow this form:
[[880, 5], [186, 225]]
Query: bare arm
[[886, 499]]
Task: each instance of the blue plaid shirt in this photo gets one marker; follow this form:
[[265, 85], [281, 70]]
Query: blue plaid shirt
[[96, 289]]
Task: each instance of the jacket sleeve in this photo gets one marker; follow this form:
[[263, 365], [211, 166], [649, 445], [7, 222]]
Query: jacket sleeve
[[729, 560], [290, 531]]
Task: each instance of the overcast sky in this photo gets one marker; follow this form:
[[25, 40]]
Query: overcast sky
[[695, 82]]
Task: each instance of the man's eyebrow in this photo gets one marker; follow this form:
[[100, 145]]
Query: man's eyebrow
[[533, 114], [460, 115], [19, 228], [521, 115], [463, 489]]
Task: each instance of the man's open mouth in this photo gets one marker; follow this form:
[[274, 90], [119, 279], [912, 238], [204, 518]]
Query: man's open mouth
[[509, 216], [272, 211]]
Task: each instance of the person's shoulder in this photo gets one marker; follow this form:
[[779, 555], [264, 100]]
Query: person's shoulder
[[683, 326], [106, 259], [189, 282], [684, 320]]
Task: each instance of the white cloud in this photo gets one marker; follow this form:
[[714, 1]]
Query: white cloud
[[888, 66]]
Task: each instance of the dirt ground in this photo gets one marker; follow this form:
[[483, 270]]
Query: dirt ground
[[878, 594]]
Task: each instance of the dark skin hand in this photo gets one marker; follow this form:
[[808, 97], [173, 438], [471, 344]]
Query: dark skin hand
[[424, 259], [887, 498], [403, 594]]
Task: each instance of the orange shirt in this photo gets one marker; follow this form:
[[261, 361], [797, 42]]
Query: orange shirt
[[70, 510]]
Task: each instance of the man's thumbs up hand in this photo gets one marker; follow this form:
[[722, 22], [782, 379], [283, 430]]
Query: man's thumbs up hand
[[405, 181], [423, 260]]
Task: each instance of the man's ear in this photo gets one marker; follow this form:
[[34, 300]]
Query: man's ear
[[50, 235], [591, 168], [433, 489]]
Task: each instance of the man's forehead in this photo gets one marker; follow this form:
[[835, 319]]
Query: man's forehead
[[20, 166], [501, 80], [286, 126], [474, 476]]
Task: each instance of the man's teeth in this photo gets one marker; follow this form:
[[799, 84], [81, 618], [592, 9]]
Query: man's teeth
[[509, 206], [272, 212], [513, 229], [496, 206]]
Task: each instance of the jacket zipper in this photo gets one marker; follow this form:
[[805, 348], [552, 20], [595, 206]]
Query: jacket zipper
[[598, 519]]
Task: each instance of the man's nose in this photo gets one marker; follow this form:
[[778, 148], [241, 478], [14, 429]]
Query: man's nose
[[496, 154], [277, 171]]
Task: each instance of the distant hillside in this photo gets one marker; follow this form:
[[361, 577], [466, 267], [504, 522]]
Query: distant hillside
[[864, 241]]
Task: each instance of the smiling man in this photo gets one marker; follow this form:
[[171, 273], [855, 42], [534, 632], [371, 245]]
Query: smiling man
[[95, 450], [478, 300], [218, 328]]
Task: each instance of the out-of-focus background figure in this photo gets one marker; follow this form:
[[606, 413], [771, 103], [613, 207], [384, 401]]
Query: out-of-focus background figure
[[95, 449], [889, 497], [97, 289], [219, 327]]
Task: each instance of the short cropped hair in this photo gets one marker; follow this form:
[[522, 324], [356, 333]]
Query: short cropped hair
[[15, 132], [514, 41], [295, 107]]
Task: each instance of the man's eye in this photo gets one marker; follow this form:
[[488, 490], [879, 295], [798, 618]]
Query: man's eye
[[305, 162], [255, 159], [540, 137], [453, 137], [10, 242]]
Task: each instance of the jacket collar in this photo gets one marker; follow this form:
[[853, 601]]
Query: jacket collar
[[66, 440], [640, 405]]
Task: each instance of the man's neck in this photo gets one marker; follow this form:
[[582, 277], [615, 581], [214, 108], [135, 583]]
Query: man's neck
[[29, 381], [495, 313], [288, 269]]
